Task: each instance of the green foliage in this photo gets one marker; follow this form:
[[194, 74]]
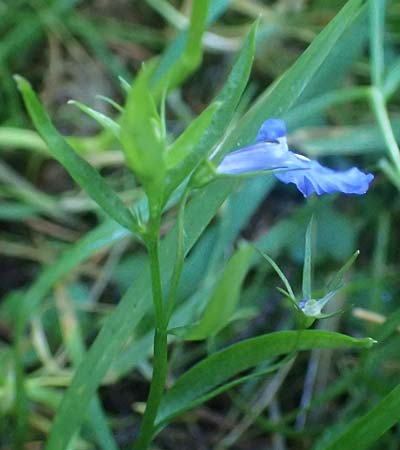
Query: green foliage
[[87, 177], [228, 99], [367, 429], [184, 57], [221, 366], [284, 93], [120, 324], [225, 296], [182, 147], [83, 325]]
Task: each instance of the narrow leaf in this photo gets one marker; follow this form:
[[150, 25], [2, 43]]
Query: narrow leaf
[[281, 275], [283, 94], [74, 345], [223, 365], [337, 280], [229, 98], [288, 359], [82, 172], [117, 332], [111, 102], [225, 297], [190, 57], [174, 51]]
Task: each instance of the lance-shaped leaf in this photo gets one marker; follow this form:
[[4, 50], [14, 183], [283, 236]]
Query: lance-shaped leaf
[[220, 367], [337, 280], [225, 297], [82, 172], [229, 98]]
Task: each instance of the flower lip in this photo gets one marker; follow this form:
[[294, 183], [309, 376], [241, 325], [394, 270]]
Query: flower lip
[[270, 152], [258, 157]]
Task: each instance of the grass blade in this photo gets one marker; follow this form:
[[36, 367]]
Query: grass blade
[[173, 69], [284, 93], [75, 348], [369, 428], [94, 241], [377, 9]]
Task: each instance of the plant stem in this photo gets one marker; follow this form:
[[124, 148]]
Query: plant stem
[[160, 341], [162, 315]]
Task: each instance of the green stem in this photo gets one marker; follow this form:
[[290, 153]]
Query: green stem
[[160, 341]]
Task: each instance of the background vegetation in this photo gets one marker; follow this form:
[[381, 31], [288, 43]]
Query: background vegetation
[[66, 266]]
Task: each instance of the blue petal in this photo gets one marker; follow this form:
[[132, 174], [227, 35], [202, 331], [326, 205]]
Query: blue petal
[[271, 130], [261, 156], [271, 153], [310, 177]]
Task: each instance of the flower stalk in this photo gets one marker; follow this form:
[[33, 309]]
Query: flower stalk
[[160, 336], [162, 314]]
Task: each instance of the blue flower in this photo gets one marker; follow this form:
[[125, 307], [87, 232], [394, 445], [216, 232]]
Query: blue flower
[[270, 152]]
